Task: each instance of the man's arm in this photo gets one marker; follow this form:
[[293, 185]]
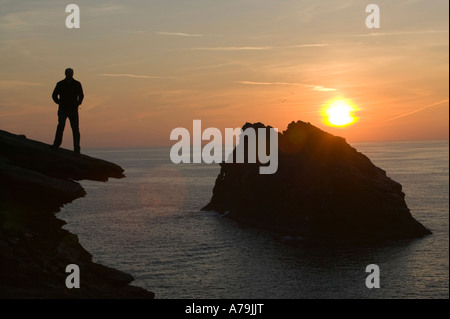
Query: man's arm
[[80, 95], [55, 94]]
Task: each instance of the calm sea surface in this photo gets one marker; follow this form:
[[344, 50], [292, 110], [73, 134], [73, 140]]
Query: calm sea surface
[[149, 224]]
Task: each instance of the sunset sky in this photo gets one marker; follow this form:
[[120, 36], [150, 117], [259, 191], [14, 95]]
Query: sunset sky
[[148, 67]]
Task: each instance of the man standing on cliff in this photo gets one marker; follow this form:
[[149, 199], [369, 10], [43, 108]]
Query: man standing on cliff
[[68, 94]]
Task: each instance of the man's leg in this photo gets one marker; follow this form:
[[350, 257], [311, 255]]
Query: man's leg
[[74, 124], [60, 128]]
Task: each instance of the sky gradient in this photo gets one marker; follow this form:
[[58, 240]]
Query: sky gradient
[[148, 67]]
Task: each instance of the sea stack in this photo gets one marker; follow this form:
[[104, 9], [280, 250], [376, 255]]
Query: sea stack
[[323, 188]]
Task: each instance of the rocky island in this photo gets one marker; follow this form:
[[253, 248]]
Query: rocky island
[[36, 181], [323, 188]]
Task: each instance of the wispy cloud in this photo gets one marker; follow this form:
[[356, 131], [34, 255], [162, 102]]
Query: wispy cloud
[[179, 34], [106, 9], [258, 48], [314, 87], [208, 67], [308, 45], [136, 76], [9, 84], [231, 48], [268, 83], [395, 33], [28, 20], [417, 110], [319, 88], [122, 64]]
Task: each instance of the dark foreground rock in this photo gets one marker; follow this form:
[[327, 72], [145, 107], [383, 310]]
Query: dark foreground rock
[[323, 188], [36, 181]]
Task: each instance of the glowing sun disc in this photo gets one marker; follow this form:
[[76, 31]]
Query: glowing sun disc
[[339, 113]]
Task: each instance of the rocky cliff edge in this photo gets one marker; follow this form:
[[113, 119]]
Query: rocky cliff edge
[[36, 181]]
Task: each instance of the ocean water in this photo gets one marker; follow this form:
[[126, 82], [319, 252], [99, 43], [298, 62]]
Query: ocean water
[[149, 224]]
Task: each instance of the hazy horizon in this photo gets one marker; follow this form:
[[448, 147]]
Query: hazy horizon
[[169, 144], [148, 67]]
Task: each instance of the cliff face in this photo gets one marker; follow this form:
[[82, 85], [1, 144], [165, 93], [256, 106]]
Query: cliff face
[[323, 188], [36, 182]]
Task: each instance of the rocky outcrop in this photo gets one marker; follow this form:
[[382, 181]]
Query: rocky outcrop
[[323, 188], [36, 181]]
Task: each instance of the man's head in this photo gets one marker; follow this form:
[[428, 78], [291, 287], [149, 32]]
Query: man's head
[[68, 73]]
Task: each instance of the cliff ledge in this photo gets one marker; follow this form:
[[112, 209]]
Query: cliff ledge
[[36, 181]]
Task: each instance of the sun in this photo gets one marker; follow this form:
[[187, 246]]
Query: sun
[[339, 113]]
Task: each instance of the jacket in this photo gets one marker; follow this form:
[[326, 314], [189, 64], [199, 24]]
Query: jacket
[[68, 94]]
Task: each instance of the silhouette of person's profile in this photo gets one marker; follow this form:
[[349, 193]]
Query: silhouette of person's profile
[[68, 94]]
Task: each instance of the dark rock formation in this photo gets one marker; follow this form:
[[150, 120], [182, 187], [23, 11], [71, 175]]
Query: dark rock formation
[[323, 188], [36, 181]]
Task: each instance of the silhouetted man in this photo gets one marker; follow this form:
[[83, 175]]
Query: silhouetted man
[[68, 94]]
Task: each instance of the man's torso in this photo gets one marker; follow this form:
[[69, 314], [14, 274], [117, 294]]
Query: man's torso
[[69, 92]]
